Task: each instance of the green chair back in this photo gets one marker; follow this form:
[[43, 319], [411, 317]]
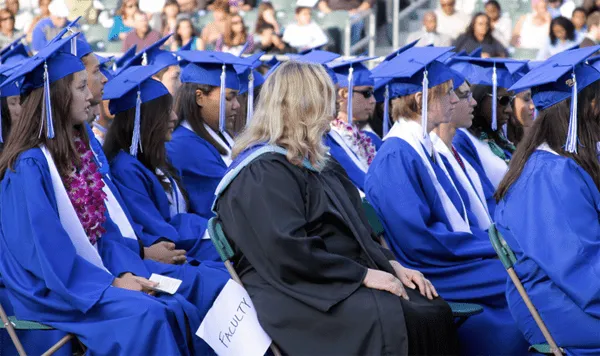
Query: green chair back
[[506, 255], [374, 221], [217, 236]]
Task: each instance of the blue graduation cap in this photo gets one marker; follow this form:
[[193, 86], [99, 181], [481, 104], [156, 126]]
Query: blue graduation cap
[[18, 53], [476, 53], [119, 62], [153, 55], [215, 69], [350, 73], [103, 62], [12, 45], [317, 56], [250, 78], [47, 66], [561, 77], [487, 71], [12, 89], [69, 29], [187, 46], [412, 71], [130, 89]]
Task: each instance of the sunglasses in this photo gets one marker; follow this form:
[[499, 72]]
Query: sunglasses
[[504, 100], [365, 93]]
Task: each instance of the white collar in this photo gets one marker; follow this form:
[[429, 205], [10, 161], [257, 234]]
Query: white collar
[[226, 157]]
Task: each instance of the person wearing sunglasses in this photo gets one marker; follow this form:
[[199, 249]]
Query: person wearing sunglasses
[[349, 140], [8, 33]]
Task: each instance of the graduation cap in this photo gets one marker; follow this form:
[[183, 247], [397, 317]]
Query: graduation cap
[[476, 53], [215, 69], [317, 56], [412, 71], [47, 66], [130, 89], [69, 29], [559, 78], [487, 71], [17, 54], [350, 73], [103, 62], [187, 46], [250, 78], [12, 45], [119, 62], [153, 55]]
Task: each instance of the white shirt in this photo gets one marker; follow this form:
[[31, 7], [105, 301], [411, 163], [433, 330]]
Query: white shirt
[[426, 38], [302, 37], [503, 30], [453, 25]]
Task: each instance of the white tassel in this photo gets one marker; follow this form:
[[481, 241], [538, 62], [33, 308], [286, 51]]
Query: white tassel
[[136, 139], [424, 109], [571, 144], [250, 109], [494, 99], [350, 94], [144, 59], [386, 110], [222, 123]]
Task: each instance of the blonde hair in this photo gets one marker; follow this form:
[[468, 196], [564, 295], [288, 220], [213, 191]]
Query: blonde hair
[[295, 107], [408, 107]]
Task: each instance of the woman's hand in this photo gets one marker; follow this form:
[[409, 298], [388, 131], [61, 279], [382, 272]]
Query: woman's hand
[[384, 281], [131, 282], [165, 252], [412, 278]]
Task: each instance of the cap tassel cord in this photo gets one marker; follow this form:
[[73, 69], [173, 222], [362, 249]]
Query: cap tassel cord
[[571, 144], [48, 103], [494, 99], [1, 122], [350, 94], [386, 110], [135, 140], [250, 109], [424, 109], [222, 123]]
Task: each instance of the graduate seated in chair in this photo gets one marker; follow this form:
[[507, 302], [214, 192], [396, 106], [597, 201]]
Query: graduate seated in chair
[[427, 224], [549, 203], [320, 282]]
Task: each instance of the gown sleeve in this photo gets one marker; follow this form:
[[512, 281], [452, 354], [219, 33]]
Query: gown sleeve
[[35, 236], [558, 227], [263, 212]]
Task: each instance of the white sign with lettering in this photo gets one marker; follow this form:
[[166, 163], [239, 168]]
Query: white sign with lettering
[[231, 326]]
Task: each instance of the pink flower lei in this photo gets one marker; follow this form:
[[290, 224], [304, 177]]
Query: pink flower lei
[[360, 143], [84, 188]]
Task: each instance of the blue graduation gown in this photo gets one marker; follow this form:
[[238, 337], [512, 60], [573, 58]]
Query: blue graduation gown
[[148, 205], [377, 141], [549, 218], [48, 282], [356, 175], [462, 266], [465, 147], [201, 167]]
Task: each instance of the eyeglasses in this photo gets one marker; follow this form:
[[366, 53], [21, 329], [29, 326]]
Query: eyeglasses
[[504, 100], [365, 93]]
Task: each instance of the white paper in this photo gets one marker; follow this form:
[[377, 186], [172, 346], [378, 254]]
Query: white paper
[[231, 325], [165, 284], [306, 3]]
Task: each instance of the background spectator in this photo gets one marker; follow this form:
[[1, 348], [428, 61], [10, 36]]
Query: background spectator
[[304, 33], [7, 28], [429, 34], [532, 29], [591, 6], [44, 12], [563, 8], [191, 7], [501, 23], [353, 7], [48, 28], [479, 34], [579, 19], [123, 21], [214, 30], [169, 17], [268, 41], [235, 37], [266, 15], [451, 22], [142, 35], [23, 17], [562, 37], [592, 36], [184, 33], [236, 6]]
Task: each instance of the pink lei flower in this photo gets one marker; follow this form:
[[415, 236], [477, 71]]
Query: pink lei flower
[[360, 143], [84, 188]]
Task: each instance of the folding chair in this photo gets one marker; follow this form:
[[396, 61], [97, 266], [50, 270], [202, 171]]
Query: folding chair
[[218, 238], [11, 324], [460, 311], [509, 259]]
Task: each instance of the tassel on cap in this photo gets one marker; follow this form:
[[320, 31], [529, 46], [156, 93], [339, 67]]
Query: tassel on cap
[[386, 110], [494, 99], [222, 123], [571, 144], [350, 94], [136, 139], [1, 122], [250, 109], [47, 104], [144, 59], [424, 100], [73, 41]]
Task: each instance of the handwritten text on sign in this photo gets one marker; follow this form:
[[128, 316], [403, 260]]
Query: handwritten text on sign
[[231, 326]]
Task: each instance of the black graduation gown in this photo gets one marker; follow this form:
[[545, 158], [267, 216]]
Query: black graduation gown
[[302, 248]]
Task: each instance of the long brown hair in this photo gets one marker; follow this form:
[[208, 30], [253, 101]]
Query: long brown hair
[[121, 12], [260, 21], [229, 35], [153, 130], [27, 133], [551, 127], [186, 108]]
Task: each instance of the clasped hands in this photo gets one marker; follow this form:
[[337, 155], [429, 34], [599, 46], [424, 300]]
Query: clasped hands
[[410, 278]]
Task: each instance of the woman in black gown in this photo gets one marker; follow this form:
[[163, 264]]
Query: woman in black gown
[[320, 282]]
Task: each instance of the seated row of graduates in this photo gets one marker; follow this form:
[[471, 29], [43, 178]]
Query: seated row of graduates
[[450, 248]]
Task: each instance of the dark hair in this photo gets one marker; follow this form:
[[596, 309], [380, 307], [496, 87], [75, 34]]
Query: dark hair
[[551, 127], [471, 29], [6, 120], [593, 19], [514, 130], [186, 108], [164, 16], [260, 21], [495, 4], [265, 26], [480, 123], [229, 35], [579, 9], [177, 36], [564, 23], [301, 8], [153, 130], [26, 132]]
